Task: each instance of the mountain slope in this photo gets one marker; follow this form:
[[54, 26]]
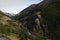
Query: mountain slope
[[11, 29], [8, 27], [47, 14]]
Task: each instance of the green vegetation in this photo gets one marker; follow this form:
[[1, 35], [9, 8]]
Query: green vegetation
[[51, 13], [11, 28]]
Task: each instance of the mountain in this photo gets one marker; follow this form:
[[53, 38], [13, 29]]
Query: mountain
[[10, 14], [37, 22], [42, 19]]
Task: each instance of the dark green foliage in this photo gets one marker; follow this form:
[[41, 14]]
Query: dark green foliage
[[51, 13], [23, 36]]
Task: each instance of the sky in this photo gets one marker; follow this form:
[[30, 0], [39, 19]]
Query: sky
[[15, 6]]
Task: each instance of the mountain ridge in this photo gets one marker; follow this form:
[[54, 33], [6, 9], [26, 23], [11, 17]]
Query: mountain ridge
[[49, 12]]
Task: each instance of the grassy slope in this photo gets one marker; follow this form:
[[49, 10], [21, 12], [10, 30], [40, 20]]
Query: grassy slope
[[10, 28]]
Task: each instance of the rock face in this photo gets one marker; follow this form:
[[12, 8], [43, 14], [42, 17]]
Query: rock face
[[31, 18], [42, 18]]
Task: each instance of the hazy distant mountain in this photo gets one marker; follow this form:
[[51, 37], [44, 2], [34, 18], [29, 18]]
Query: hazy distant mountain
[[10, 14]]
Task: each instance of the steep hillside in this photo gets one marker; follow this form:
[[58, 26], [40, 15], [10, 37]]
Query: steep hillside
[[8, 27], [11, 29], [42, 19]]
